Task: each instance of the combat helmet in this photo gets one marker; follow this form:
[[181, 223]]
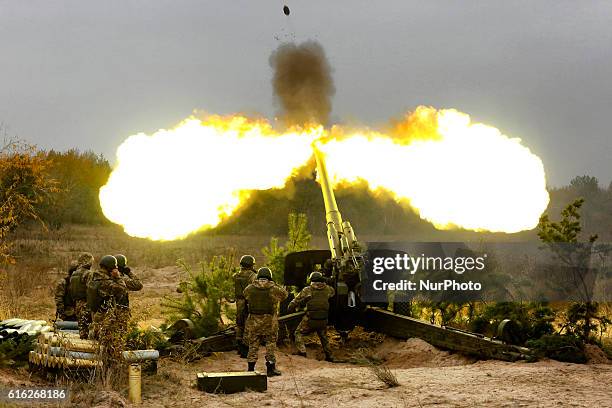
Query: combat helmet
[[316, 276], [121, 260], [264, 273], [108, 262], [85, 259], [247, 261]]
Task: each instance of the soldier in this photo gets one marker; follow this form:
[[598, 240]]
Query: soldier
[[104, 290], [132, 283], [316, 299], [131, 280], [78, 292], [262, 297], [328, 271], [242, 279], [64, 305]]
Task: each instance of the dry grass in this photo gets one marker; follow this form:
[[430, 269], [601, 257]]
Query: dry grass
[[26, 288], [368, 357], [60, 246], [384, 374], [6, 311]]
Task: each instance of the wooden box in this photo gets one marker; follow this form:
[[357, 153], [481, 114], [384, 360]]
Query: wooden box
[[230, 382]]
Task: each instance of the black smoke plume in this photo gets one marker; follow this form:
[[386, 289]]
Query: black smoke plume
[[302, 82]]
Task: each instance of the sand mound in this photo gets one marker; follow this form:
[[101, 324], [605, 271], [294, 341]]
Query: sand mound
[[595, 355], [417, 353]]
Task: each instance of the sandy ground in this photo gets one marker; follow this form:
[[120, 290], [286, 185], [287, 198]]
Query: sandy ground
[[428, 377]]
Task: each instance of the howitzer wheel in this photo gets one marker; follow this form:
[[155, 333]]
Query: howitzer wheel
[[181, 330], [509, 332]]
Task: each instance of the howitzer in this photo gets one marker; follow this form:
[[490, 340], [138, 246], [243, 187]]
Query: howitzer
[[342, 264], [347, 310], [346, 256]]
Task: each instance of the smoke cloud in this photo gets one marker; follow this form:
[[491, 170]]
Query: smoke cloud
[[303, 84]]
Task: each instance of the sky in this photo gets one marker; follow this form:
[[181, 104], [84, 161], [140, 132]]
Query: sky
[[87, 74]]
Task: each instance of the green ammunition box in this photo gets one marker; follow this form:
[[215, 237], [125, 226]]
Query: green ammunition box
[[228, 383]]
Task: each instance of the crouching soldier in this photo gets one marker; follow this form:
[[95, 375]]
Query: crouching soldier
[[64, 305], [104, 290], [316, 299], [78, 292], [242, 279], [263, 296]]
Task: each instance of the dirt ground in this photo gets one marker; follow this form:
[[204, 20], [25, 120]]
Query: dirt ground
[[428, 377]]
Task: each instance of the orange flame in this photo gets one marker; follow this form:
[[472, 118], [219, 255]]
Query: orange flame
[[455, 173]]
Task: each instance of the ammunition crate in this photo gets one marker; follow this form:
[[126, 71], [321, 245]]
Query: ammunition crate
[[231, 382]]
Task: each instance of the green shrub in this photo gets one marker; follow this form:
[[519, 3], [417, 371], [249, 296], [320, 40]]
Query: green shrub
[[147, 339], [534, 320], [563, 348], [205, 296], [574, 321], [15, 351], [298, 239]]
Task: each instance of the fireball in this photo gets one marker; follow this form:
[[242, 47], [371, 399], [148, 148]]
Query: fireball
[[453, 172], [175, 182], [464, 174]]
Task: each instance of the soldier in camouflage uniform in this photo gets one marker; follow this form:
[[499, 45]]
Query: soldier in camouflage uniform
[[263, 296], [78, 292], [132, 283], [105, 288], [316, 299], [242, 279], [64, 305]]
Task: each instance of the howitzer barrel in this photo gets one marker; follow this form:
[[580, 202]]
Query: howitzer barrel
[[332, 214]]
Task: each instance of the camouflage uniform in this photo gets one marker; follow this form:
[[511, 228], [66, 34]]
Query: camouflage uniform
[[132, 282], [109, 320], [78, 292], [83, 317], [64, 304], [316, 299], [262, 323], [242, 279]]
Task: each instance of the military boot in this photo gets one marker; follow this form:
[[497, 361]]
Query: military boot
[[272, 371], [243, 350], [251, 366]]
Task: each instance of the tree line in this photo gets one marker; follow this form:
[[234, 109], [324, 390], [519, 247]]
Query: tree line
[[60, 188]]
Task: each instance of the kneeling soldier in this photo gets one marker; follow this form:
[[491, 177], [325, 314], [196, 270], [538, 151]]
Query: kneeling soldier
[[316, 299], [262, 297]]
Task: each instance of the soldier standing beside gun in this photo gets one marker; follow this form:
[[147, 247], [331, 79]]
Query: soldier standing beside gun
[[316, 299], [242, 279], [263, 296], [64, 305], [78, 292]]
